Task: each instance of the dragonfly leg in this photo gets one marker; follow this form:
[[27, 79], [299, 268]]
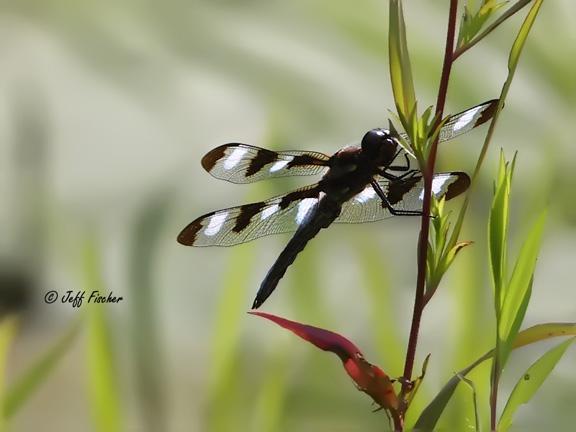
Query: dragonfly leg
[[392, 177], [386, 203], [399, 167]]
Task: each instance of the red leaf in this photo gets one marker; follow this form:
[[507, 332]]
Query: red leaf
[[368, 377]]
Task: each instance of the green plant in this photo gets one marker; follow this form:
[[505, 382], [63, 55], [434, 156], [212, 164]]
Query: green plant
[[439, 241]]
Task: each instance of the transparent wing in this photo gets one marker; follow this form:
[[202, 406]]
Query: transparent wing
[[242, 163], [244, 223], [465, 121], [404, 195]]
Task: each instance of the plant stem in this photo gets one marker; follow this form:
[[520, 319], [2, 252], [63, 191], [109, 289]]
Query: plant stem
[[428, 173], [494, 397]]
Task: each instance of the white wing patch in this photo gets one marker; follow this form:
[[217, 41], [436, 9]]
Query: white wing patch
[[215, 224], [466, 118], [304, 208], [279, 165], [365, 195], [438, 183], [235, 158], [267, 212]]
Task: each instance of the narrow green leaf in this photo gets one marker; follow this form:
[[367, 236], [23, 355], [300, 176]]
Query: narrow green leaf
[[531, 381], [38, 371], [498, 231], [518, 289], [541, 332], [431, 414], [471, 386], [400, 69], [102, 378], [522, 35], [505, 345], [7, 332]]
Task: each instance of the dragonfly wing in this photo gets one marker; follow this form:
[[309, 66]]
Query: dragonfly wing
[[403, 195], [235, 225], [242, 163]]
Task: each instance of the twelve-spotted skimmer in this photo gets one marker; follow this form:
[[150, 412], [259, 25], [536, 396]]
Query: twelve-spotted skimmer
[[363, 183]]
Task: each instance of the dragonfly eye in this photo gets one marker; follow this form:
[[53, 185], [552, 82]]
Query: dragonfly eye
[[380, 145]]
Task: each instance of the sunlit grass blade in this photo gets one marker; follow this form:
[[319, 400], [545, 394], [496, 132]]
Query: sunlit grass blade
[[373, 268], [400, 68], [103, 389], [225, 338], [38, 371], [272, 394], [8, 327], [148, 362], [530, 382], [431, 414]]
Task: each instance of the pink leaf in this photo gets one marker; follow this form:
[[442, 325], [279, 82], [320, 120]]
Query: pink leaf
[[368, 377]]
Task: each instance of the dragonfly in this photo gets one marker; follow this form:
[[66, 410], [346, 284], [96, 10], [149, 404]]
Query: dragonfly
[[361, 183]]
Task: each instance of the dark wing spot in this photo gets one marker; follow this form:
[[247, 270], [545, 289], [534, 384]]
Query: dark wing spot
[[213, 156], [289, 198], [488, 113], [246, 213], [187, 236], [397, 189], [296, 195], [305, 159], [459, 186], [263, 157]]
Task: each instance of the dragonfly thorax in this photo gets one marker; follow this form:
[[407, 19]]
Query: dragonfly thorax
[[380, 146]]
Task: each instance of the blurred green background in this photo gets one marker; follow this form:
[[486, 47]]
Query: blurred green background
[[106, 108]]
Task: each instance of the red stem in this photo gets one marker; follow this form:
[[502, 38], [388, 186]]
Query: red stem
[[428, 173]]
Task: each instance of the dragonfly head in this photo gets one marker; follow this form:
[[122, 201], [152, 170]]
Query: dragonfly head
[[380, 145]]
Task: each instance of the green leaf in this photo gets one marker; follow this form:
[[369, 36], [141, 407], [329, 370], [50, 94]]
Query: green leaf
[[38, 372], [468, 36], [431, 414], [522, 35], [531, 381], [471, 386], [473, 22], [102, 378], [498, 230], [518, 290], [400, 69]]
